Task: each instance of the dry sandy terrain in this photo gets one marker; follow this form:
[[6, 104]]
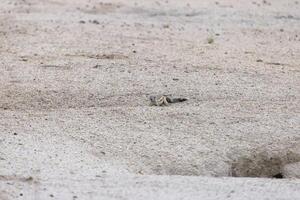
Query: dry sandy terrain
[[75, 120]]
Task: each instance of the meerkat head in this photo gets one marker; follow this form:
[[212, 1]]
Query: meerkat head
[[152, 98]]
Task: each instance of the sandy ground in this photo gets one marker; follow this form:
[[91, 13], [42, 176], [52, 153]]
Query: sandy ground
[[75, 117]]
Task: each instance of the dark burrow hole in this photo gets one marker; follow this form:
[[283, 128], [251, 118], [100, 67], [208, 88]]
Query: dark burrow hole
[[279, 175], [263, 165]]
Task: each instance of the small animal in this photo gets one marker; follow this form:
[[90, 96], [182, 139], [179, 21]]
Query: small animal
[[164, 100]]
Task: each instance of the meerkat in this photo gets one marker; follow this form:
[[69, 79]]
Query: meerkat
[[164, 100]]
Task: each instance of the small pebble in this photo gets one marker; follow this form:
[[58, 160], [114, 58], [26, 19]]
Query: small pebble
[[95, 22]]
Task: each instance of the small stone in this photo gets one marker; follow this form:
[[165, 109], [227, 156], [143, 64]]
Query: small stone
[[95, 22], [30, 178], [97, 66], [210, 40]]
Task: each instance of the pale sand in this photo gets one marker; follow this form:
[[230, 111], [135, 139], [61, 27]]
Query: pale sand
[[76, 121]]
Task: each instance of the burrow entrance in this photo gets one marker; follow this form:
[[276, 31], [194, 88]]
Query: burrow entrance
[[265, 164]]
